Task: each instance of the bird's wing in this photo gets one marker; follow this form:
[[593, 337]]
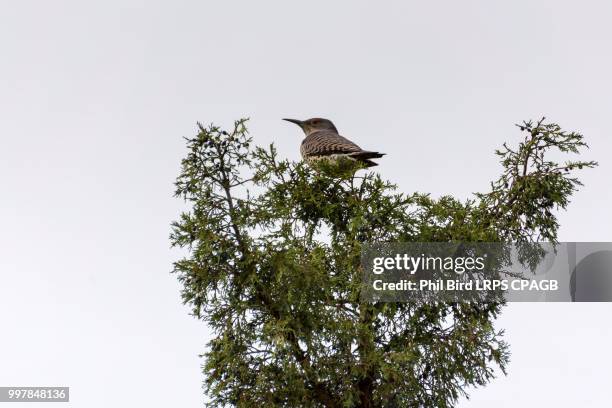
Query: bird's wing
[[326, 142]]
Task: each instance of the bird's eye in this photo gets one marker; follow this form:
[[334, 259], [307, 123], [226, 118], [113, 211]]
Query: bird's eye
[[314, 122]]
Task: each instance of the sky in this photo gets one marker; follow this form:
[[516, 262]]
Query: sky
[[96, 97]]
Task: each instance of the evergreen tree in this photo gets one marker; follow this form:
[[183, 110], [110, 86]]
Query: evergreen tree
[[273, 267]]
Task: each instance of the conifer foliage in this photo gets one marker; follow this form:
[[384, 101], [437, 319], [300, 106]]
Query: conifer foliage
[[272, 266]]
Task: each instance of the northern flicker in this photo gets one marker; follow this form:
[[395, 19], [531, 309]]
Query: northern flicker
[[323, 142]]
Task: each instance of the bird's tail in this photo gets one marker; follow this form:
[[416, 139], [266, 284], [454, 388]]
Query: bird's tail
[[367, 155]]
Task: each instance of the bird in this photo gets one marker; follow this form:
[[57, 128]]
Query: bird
[[323, 142]]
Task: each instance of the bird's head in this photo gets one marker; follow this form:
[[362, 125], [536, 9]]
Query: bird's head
[[313, 125]]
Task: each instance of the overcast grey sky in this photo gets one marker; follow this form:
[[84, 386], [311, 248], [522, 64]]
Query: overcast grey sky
[[95, 98]]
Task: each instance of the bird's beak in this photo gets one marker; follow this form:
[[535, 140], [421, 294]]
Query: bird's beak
[[297, 122]]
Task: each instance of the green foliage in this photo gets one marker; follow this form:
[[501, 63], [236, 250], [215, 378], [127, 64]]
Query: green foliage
[[273, 267], [532, 185]]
